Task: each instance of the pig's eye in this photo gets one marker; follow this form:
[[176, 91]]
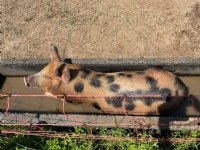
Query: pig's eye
[[60, 69]]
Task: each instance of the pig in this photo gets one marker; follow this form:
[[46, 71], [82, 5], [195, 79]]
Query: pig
[[61, 78]]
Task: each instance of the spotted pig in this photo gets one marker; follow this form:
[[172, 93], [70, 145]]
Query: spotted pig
[[62, 78]]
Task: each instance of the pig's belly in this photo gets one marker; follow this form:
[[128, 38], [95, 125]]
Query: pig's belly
[[140, 106]]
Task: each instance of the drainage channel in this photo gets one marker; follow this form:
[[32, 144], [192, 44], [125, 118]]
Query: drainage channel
[[48, 111]]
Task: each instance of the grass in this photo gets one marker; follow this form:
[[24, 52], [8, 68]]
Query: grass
[[24, 142]]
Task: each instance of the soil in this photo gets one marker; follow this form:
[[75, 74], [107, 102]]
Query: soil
[[101, 28]]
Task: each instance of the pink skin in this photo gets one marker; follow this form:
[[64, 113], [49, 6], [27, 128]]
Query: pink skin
[[50, 95], [46, 93], [32, 81]]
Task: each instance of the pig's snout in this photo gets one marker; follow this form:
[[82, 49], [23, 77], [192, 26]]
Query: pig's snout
[[28, 80]]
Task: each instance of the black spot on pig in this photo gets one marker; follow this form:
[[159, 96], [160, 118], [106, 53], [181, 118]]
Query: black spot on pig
[[136, 92], [73, 74], [78, 87], [181, 86], [114, 87], [129, 103], [117, 102], [110, 79], [129, 107], [95, 82], [129, 75], [165, 92], [153, 84], [122, 74], [85, 73], [147, 101], [140, 72], [108, 100], [96, 105], [125, 75]]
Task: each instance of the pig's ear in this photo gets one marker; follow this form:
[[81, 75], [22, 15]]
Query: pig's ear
[[54, 52], [63, 72]]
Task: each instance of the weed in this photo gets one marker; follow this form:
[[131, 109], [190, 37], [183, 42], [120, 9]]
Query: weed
[[22, 142]]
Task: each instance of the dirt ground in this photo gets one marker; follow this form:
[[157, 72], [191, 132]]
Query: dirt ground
[[101, 28]]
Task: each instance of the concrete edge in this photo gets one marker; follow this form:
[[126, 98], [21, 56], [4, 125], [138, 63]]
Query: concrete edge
[[109, 61], [153, 122], [24, 67]]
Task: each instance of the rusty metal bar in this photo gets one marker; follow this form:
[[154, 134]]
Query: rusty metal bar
[[99, 137]]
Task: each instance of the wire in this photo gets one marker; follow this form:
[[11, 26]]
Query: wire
[[74, 122]]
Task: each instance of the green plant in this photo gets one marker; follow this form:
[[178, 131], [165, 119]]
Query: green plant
[[21, 142], [186, 134]]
